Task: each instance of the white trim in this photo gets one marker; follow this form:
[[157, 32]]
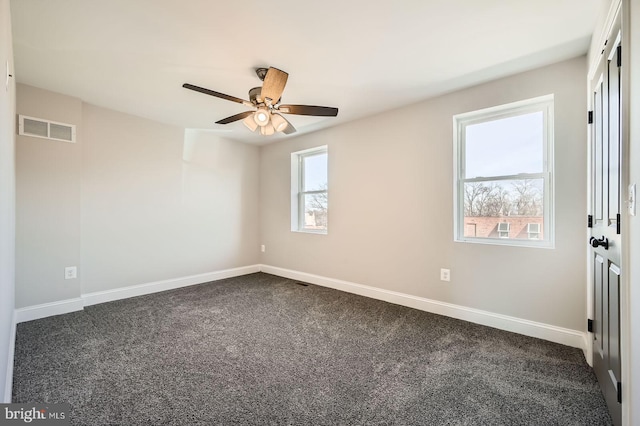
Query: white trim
[[44, 310], [8, 386], [629, 17], [71, 305], [565, 336], [615, 7], [587, 348], [171, 284]]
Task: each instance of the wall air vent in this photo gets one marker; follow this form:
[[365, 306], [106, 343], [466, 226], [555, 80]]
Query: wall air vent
[[39, 128]]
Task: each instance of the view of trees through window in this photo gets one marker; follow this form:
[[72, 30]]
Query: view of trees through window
[[315, 207], [504, 198]]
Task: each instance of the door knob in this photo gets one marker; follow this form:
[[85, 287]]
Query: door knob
[[604, 242]]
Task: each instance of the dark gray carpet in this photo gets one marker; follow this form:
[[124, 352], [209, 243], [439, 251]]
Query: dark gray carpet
[[261, 350]]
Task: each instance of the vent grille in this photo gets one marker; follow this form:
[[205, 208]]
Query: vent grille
[[36, 128], [39, 128]]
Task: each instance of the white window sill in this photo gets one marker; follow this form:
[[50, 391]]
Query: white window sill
[[311, 231], [510, 242]]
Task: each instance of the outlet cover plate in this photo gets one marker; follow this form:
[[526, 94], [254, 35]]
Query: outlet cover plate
[[70, 272]]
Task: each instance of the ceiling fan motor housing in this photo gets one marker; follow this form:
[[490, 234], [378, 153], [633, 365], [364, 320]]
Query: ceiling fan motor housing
[[254, 95], [262, 73]]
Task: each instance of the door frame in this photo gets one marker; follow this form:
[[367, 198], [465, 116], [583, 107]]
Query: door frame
[[618, 8]]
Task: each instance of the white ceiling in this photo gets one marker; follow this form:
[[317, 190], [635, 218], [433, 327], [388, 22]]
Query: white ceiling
[[361, 56]]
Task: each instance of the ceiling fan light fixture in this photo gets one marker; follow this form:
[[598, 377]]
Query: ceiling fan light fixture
[[264, 105], [267, 130], [250, 123], [261, 117], [279, 123]]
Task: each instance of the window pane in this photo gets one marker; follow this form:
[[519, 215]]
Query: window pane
[[504, 209], [315, 211], [315, 172], [503, 147]]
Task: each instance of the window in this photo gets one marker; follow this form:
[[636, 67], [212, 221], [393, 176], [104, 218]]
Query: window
[[309, 190], [503, 230], [533, 231], [504, 174]]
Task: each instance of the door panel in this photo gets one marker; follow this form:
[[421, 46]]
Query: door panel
[[598, 172], [605, 237], [598, 322], [614, 140], [614, 323]]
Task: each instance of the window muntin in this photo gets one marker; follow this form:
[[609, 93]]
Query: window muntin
[[309, 184], [503, 174]]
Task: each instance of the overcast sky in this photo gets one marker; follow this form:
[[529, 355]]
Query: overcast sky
[[315, 168], [505, 147]]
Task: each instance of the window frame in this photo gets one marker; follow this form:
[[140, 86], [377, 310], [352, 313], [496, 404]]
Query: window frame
[[544, 104], [298, 195]]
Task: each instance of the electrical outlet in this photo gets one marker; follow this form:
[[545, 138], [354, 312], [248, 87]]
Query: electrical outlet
[[70, 272], [445, 275], [263, 248]]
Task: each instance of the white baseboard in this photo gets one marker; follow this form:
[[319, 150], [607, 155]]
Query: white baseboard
[[8, 386], [543, 331], [574, 338], [48, 309], [587, 348], [154, 287], [70, 305]]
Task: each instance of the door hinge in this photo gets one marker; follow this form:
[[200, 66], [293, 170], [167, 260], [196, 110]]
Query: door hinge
[[618, 224], [590, 325], [589, 221], [620, 392], [590, 117], [619, 54]]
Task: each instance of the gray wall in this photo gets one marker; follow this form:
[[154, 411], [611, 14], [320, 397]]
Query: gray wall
[[161, 203], [7, 203], [132, 202], [48, 176], [391, 206]]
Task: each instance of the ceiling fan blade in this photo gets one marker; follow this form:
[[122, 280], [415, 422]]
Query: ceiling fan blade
[[273, 85], [321, 111], [289, 129], [216, 94], [235, 117]]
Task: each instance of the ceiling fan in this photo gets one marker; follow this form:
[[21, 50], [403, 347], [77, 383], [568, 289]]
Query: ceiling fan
[[266, 109]]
